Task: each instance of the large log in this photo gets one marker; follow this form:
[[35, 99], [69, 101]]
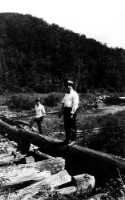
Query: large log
[[17, 175], [78, 159], [81, 184], [40, 188], [9, 159], [48, 185]]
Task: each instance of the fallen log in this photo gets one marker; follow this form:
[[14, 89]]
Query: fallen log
[[6, 159], [39, 155], [81, 184], [40, 188], [23, 125], [78, 159], [17, 175], [47, 183], [67, 190]]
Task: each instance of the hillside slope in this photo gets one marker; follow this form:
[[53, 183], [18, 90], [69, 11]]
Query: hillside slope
[[36, 56]]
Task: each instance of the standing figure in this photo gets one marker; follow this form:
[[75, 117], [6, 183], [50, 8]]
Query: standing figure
[[69, 106], [40, 113]]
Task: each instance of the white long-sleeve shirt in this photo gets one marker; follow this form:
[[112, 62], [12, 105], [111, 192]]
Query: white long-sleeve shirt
[[71, 100], [40, 110]]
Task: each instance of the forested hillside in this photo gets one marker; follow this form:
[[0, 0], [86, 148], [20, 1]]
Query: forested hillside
[[36, 56]]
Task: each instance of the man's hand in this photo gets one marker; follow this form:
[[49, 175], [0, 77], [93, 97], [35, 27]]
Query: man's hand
[[71, 115]]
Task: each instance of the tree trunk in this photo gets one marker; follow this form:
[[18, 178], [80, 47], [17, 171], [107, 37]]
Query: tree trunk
[[41, 188], [78, 159], [17, 175]]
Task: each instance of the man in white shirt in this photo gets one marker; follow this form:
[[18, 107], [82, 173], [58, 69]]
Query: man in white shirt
[[69, 106], [40, 113]]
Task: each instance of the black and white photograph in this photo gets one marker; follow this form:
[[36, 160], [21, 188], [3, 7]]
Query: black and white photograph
[[62, 100]]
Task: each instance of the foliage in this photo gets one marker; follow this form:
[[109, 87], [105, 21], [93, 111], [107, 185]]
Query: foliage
[[110, 135], [20, 102], [108, 139], [77, 196], [39, 57], [88, 101], [51, 100], [114, 189], [51, 125]]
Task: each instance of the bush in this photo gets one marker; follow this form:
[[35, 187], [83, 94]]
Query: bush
[[51, 100], [110, 138], [20, 103]]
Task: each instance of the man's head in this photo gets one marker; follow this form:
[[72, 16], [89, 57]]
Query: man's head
[[69, 84], [38, 100]]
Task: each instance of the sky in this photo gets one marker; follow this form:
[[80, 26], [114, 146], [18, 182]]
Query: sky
[[102, 20]]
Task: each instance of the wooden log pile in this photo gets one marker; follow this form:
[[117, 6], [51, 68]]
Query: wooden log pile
[[34, 180], [40, 179]]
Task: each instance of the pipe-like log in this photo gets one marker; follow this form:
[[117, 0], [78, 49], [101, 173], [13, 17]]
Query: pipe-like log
[[78, 159]]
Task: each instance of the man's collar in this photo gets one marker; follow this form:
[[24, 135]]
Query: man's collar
[[70, 91]]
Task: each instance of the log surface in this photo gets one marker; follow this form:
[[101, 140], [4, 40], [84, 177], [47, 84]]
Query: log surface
[[14, 175], [78, 159]]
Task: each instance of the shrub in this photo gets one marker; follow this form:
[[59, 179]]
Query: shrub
[[110, 138], [51, 100], [20, 103], [1, 90]]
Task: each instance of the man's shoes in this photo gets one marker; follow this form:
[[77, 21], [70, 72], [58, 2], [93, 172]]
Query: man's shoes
[[71, 143]]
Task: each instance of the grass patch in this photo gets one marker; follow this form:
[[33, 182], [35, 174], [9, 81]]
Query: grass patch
[[24, 101], [110, 136], [20, 103], [110, 139], [52, 100]]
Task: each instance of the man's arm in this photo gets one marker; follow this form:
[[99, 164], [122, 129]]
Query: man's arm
[[75, 103], [61, 110], [43, 111]]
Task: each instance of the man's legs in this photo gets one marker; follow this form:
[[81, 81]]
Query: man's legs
[[67, 124], [38, 121], [31, 122], [67, 132], [73, 128]]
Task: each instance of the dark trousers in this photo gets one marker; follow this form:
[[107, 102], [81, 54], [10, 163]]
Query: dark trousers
[[69, 124], [38, 121]]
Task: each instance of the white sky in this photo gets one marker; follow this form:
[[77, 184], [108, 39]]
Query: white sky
[[103, 20]]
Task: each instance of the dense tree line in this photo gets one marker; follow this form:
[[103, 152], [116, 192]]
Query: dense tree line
[[36, 56]]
